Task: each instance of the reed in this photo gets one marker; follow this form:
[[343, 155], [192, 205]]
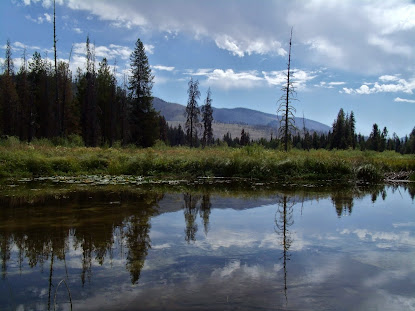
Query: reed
[[31, 160]]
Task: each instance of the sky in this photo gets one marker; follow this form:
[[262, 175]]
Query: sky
[[355, 55]]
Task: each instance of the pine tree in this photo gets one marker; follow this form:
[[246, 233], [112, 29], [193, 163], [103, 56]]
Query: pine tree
[[207, 119], [9, 97], [25, 101], [338, 140], [87, 93], [143, 118], [352, 122], [192, 111], [245, 139], [106, 101], [374, 141]]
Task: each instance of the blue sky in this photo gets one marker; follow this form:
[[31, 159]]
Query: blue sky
[[355, 55]]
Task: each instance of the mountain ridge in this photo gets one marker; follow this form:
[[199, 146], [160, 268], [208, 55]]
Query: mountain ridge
[[174, 112]]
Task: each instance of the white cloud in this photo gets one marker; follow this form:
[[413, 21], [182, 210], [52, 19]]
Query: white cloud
[[388, 78], [163, 68], [40, 19], [110, 52], [77, 30], [299, 77], [370, 37], [399, 85], [240, 48], [389, 46], [228, 79], [404, 100], [326, 48], [48, 17], [149, 48]]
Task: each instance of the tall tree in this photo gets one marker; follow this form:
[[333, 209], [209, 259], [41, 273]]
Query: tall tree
[[338, 140], [87, 92], [352, 126], [286, 109], [106, 87], [207, 119], [143, 118], [245, 139], [374, 140], [58, 106], [192, 111], [25, 101], [9, 97]]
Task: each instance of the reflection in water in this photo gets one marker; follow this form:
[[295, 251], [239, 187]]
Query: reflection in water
[[42, 234], [190, 213], [101, 241], [283, 220], [191, 209]]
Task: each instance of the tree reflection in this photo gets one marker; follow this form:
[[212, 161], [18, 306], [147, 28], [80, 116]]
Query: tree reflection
[[192, 208], [205, 211], [44, 231], [343, 202], [190, 214], [283, 220]]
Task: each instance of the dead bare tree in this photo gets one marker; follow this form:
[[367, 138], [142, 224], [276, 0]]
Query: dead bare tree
[[285, 108]]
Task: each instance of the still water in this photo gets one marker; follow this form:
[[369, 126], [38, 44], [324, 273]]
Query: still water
[[125, 248]]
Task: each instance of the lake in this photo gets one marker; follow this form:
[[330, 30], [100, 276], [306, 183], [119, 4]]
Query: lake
[[217, 247]]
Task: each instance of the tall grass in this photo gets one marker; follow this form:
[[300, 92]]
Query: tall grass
[[45, 159]]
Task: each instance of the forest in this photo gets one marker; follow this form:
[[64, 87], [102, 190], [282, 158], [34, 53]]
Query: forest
[[91, 108]]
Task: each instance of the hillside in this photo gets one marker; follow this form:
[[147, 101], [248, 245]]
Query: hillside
[[258, 124]]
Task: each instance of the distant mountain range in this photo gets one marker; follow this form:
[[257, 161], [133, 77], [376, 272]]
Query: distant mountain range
[[242, 117]]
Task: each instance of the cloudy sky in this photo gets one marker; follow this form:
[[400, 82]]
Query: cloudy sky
[[355, 55]]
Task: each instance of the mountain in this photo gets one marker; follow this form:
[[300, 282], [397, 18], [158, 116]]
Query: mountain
[[175, 113]]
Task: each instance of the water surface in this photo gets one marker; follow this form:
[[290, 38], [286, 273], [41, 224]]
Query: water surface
[[134, 249]]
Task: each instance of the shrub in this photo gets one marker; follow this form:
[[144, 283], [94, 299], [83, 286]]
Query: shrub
[[39, 166], [63, 165], [368, 173]]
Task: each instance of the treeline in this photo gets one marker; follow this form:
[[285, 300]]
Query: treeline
[[40, 101], [342, 136], [94, 109]]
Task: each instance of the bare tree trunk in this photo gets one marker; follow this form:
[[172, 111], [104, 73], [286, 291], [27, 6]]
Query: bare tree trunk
[[287, 102], [57, 105]]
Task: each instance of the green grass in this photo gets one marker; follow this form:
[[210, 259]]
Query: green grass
[[42, 159]]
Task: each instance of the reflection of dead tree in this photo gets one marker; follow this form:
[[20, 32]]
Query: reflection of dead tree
[[284, 220]]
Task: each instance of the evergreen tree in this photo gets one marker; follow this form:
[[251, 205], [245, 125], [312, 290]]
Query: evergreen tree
[[207, 119], [38, 81], [143, 118], [67, 110], [192, 111], [106, 100], [383, 139], [352, 127], [338, 140], [374, 141], [25, 102], [244, 141], [87, 97], [9, 98], [163, 128]]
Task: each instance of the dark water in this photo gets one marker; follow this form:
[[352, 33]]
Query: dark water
[[284, 249]]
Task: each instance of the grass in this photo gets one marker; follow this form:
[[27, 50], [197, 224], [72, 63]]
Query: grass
[[43, 159]]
